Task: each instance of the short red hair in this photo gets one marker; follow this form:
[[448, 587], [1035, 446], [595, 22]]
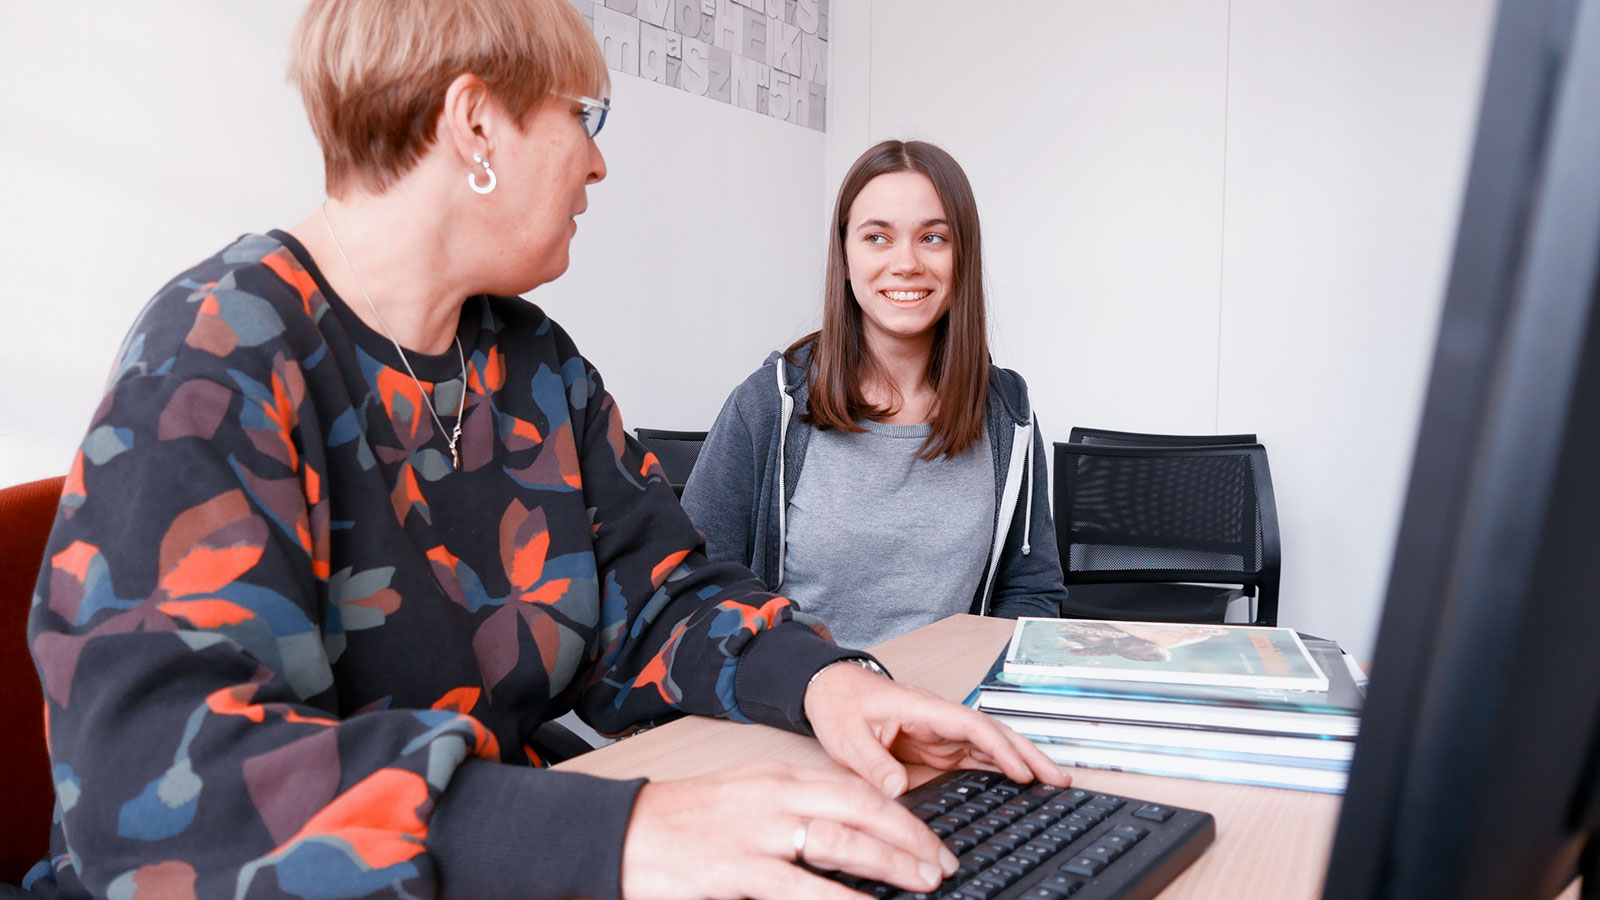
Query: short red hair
[[373, 73]]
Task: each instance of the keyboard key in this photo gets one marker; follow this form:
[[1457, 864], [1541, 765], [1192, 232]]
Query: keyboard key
[[1025, 828], [1043, 847], [979, 831], [959, 843], [1007, 839], [993, 851], [1154, 813], [1028, 860], [956, 821], [1084, 865], [1060, 807], [971, 811], [941, 829], [1131, 832], [981, 858], [1112, 839], [991, 798], [963, 792], [1011, 810], [1008, 870], [1084, 819], [1065, 885], [983, 887], [1111, 803], [1027, 800], [1067, 831], [1042, 818], [1104, 852], [993, 823]]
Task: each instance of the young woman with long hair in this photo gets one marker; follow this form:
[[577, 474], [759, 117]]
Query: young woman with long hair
[[882, 472]]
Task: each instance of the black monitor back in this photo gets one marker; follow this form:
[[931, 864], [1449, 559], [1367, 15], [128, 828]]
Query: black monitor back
[[1474, 776]]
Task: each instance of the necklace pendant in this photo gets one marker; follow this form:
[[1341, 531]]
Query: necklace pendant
[[455, 446]]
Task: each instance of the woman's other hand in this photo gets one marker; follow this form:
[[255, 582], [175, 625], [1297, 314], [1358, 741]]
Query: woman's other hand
[[867, 722], [738, 834]]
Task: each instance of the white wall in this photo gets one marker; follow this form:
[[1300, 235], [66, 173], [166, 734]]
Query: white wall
[[1349, 133], [700, 252], [136, 139], [1209, 215]]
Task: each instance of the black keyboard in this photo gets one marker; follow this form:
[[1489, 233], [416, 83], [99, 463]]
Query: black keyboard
[[1038, 842]]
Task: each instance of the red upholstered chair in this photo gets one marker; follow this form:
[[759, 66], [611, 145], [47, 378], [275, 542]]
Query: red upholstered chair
[[26, 514]]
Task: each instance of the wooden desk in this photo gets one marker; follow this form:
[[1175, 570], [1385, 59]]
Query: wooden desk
[[1271, 844]]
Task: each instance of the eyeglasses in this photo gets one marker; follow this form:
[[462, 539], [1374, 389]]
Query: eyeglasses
[[594, 112]]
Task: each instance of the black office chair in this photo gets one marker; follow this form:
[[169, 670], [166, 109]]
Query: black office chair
[[1154, 533], [676, 451], [1106, 438]]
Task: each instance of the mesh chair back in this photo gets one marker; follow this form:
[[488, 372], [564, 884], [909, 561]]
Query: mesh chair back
[[1106, 438], [1168, 514], [676, 451]]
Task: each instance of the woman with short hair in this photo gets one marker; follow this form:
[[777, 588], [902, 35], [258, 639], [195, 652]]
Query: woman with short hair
[[882, 472], [353, 520]]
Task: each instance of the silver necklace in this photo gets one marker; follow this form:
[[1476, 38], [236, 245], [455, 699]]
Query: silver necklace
[[455, 433]]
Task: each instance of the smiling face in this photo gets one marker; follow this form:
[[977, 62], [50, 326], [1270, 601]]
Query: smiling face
[[898, 250], [544, 170]]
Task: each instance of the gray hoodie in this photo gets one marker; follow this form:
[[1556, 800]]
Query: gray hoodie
[[739, 492]]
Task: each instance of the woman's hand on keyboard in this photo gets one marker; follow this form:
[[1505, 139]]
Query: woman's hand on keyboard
[[867, 722], [737, 834]]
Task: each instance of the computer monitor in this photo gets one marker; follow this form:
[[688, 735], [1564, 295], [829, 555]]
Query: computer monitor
[[1475, 772]]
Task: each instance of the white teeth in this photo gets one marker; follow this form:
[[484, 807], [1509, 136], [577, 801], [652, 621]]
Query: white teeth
[[904, 296]]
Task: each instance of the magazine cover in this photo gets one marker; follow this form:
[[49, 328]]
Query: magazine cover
[[1344, 696], [1228, 655]]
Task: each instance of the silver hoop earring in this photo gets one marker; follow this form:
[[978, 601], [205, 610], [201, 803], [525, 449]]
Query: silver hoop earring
[[472, 177]]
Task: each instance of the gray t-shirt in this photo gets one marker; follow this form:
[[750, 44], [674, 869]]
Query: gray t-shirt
[[879, 541]]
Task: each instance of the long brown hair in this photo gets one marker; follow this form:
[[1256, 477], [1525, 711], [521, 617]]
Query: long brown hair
[[958, 366]]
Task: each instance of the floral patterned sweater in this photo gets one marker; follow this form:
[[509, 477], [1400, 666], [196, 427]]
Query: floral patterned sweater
[[289, 650]]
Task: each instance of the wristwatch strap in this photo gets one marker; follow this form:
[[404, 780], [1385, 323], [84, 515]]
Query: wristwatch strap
[[865, 662]]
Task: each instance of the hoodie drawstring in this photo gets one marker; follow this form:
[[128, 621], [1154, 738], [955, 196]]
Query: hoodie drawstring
[[1027, 498], [786, 407]]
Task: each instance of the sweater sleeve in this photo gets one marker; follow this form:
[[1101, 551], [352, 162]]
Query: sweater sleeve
[[723, 493], [681, 633], [187, 663], [1029, 584]]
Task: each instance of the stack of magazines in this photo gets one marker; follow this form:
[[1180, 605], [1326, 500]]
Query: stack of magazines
[[1243, 704]]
